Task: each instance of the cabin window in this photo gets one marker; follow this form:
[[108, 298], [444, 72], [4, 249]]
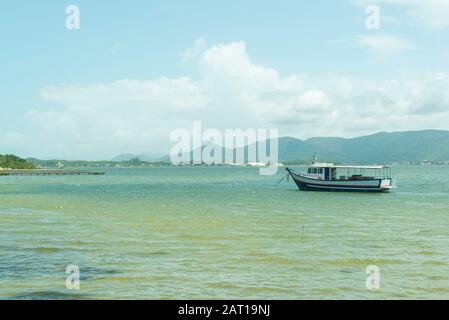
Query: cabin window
[[309, 171], [321, 171], [334, 174]]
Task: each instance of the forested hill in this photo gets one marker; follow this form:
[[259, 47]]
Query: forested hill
[[401, 147], [10, 161]]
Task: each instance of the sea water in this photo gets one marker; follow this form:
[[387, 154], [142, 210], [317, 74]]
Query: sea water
[[222, 233]]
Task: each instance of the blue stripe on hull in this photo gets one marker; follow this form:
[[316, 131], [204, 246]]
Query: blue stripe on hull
[[305, 187], [337, 189]]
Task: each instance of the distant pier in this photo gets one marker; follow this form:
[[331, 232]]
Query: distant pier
[[38, 172]]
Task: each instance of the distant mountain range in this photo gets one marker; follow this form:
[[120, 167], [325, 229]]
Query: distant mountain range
[[147, 157], [379, 148], [383, 147], [409, 146]]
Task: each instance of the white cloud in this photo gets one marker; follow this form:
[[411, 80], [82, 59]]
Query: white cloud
[[131, 116], [179, 95], [229, 67], [384, 44], [126, 115], [432, 13], [198, 48]]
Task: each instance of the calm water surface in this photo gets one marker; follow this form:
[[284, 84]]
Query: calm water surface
[[219, 232]]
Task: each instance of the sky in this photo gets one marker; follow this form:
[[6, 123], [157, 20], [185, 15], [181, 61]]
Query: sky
[[136, 71]]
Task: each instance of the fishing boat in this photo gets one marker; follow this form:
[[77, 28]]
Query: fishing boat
[[330, 177]]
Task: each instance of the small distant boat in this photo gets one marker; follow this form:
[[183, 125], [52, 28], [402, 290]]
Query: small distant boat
[[329, 177]]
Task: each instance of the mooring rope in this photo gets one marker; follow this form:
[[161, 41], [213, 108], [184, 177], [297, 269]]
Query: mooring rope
[[287, 176]]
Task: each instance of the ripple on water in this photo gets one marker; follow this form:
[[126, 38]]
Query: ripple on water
[[220, 233], [45, 249], [50, 295], [354, 262], [435, 263], [88, 273]]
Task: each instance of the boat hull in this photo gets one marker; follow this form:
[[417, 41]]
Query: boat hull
[[308, 184]]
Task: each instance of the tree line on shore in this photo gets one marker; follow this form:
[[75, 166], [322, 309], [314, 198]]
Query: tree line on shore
[[10, 161]]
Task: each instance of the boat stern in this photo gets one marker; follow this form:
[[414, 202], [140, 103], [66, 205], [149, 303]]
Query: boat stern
[[386, 184]]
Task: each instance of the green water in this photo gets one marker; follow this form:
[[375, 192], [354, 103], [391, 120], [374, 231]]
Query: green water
[[221, 232]]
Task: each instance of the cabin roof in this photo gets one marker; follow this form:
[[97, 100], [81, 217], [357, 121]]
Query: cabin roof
[[331, 165], [360, 167]]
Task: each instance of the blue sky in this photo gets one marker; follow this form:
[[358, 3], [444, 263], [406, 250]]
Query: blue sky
[[136, 71]]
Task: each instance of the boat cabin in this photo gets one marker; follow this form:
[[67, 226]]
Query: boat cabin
[[331, 172]]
